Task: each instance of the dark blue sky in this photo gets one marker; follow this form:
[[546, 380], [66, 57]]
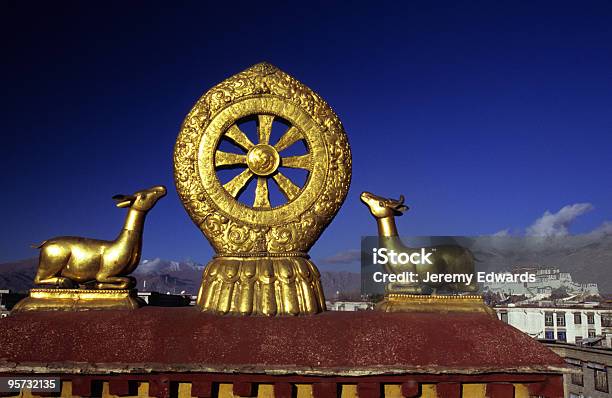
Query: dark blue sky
[[484, 114]]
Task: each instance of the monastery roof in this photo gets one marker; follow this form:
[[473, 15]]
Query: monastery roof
[[153, 339]]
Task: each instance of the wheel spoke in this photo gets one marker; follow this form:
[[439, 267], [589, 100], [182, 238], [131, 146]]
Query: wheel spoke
[[236, 135], [289, 138], [289, 189], [236, 184], [297, 162], [262, 197], [228, 159], [264, 127]]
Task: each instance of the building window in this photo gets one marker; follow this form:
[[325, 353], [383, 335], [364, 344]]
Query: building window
[[561, 335], [577, 378], [591, 333], [561, 319], [578, 339], [549, 335], [591, 318], [504, 317], [606, 320], [548, 319], [577, 318], [601, 380], [576, 364]]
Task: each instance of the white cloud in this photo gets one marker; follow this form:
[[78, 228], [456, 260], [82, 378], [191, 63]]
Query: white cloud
[[603, 230], [556, 224], [503, 232]]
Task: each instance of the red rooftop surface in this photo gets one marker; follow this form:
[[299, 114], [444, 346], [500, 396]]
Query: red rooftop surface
[[332, 343]]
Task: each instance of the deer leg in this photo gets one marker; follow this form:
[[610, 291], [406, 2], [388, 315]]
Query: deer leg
[[114, 282], [50, 264], [58, 281]]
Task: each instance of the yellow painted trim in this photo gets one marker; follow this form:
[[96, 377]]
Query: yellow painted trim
[[66, 389], [469, 390], [265, 391], [226, 390], [143, 389], [105, 393], [304, 390], [521, 391], [348, 390], [393, 391], [25, 394], [474, 390], [429, 391], [184, 390]]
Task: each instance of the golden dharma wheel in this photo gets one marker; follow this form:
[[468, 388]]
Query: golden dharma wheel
[[261, 266]]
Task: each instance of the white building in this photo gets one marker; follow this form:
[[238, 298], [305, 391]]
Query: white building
[[547, 280], [580, 323], [4, 312], [592, 370], [349, 305]]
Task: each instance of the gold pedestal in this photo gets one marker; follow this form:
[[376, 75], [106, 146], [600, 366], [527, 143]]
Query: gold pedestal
[[426, 303], [78, 300], [261, 285]]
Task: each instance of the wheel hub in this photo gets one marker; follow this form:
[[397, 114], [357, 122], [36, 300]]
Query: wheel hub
[[263, 159]]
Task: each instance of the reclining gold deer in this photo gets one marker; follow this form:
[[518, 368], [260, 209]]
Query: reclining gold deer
[[67, 261], [448, 259]]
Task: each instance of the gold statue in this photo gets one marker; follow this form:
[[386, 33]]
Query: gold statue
[[445, 259], [68, 259], [261, 264], [67, 262]]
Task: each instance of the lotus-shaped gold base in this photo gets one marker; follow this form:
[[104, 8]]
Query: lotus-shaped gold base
[[261, 285]]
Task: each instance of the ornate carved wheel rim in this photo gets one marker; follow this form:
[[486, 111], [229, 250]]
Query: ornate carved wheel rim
[[262, 160], [287, 200]]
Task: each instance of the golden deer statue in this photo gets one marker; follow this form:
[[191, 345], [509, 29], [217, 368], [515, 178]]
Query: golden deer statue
[[445, 259], [67, 261]]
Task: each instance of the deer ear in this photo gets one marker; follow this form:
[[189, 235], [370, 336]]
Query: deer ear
[[399, 209], [124, 200], [401, 199]]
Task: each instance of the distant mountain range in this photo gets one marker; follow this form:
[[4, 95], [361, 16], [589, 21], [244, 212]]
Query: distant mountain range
[[19, 275], [170, 276], [588, 258]]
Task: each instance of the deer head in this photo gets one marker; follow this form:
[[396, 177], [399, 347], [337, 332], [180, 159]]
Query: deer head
[[383, 207], [142, 200]]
